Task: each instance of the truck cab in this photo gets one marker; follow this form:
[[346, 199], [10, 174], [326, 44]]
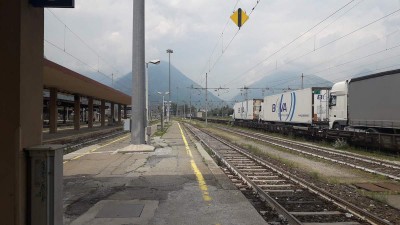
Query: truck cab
[[338, 105]]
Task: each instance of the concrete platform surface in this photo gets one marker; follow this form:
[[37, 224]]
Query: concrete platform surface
[[175, 184], [136, 148]]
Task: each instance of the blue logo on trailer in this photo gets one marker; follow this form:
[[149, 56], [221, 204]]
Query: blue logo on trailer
[[283, 107]]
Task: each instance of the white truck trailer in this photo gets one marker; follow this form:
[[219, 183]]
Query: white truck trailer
[[369, 103], [247, 110], [304, 107]]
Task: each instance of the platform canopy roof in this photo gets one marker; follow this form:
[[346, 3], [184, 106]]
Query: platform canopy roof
[[68, 81]]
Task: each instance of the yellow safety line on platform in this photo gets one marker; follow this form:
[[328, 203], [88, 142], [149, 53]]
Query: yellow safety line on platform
[[97, 148], [199, 175]]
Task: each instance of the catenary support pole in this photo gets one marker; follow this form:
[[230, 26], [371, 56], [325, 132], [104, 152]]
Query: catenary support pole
[[206, 99], [138, 74], [191, 102], [177, 102]]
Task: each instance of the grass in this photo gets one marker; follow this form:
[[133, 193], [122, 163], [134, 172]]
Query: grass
[[319, 176], [160, 133], [377, 196], [154, 122], [362, 176], [339, 144]]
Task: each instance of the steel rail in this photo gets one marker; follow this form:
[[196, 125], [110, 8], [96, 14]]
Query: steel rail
[[70, 147], [264, 196], [327, 150], [320, 156], [360, 213]]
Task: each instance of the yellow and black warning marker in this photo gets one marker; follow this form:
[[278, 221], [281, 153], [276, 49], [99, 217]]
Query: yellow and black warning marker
[[239, 17]]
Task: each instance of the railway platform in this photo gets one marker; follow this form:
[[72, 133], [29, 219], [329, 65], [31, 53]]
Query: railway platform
[[177, 183]]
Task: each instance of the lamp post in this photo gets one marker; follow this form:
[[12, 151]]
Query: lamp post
[[155, 62], [177, 102], [169, 51], [163, 110]]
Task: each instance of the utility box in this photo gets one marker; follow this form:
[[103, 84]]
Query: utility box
[[127, 124], [45, 180], [148, 131]]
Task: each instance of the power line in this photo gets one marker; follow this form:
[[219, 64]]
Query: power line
[[80, 39], [382, 60], [234, 36], [81, 61], [357, 59], [352, 50], [318, 32], [218, 41], [340, 38], [396, 11], [224, 49], [291, 42]]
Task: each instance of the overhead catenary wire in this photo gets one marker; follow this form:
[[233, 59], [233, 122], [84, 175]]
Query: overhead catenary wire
[[357, 67], [224, 49], [82, 41], [375, 62], [329, 24], [338, 39], [217, 43], [360, 58], [84, 63], [352, 50], [291, 42]]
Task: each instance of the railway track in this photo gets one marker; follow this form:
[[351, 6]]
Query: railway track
[[294, 199], [78, 144], [375, 166]]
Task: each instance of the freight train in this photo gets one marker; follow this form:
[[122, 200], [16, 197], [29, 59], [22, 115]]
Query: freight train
[[369, 103]]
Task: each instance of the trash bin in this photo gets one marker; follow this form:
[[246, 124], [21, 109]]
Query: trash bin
[[45, 182]]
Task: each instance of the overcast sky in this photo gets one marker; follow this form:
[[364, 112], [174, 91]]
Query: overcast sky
[[192, 28]]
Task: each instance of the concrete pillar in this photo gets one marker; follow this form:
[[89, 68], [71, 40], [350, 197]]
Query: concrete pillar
[[103, 113], [119, 113], [77, 112], [21, 54], [125, 112], [53, 110], [90, 108], [138, 110]]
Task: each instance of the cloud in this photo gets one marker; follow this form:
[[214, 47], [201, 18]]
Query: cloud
[[192, 28]]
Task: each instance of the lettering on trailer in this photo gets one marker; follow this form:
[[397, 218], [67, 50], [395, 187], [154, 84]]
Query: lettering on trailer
[[283, 107]]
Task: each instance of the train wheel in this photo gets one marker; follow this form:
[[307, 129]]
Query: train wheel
[[372, 130], [336, 126]]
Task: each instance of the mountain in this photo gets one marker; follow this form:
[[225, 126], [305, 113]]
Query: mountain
[[180, 86], [280, 82]]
